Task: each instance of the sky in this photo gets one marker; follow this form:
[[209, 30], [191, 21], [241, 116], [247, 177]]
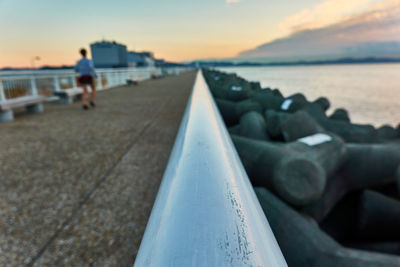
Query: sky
[[176, 30], [374, 31]]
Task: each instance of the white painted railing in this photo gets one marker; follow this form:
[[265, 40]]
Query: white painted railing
[[15, 84], [206, 212], [173, 70]]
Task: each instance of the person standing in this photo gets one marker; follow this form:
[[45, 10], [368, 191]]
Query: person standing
[[87, 75]]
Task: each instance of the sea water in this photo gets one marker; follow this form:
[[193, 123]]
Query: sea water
[[370, 92]]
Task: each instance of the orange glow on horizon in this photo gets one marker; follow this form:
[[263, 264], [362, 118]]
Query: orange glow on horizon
[[65, 56]]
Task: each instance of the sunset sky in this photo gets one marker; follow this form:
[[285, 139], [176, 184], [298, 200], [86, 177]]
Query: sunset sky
[[176, 30]]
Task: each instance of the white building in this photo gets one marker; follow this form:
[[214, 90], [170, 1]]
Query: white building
[[141, 59], [109, 55]]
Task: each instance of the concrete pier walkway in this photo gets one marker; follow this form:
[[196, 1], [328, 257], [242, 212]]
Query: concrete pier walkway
[[77, 187]]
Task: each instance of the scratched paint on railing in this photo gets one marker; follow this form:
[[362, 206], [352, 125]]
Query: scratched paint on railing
[[235, 244]]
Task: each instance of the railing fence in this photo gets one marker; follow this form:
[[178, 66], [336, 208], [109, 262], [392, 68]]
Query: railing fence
[[14, 84]]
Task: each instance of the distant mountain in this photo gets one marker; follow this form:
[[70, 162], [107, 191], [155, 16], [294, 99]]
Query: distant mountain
[[283, 51], [257, 62]]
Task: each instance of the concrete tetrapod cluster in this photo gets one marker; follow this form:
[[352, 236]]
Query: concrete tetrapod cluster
[[304, 244], [296, 171], [374, 210], [327, 185]]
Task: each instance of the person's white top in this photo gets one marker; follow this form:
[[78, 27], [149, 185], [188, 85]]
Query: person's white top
[[85, 67]]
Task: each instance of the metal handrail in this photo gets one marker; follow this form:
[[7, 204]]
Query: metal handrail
[[206, 212], [45, 82], [51, 73]]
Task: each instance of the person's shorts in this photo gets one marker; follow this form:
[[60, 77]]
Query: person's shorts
[[85, 79]]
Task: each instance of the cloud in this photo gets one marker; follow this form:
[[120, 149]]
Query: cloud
[[374, 32], [321, 15]]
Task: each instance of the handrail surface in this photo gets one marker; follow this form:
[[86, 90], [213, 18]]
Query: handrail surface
[[206, 212]]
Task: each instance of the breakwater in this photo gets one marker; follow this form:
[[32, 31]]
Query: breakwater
[[329, 187]]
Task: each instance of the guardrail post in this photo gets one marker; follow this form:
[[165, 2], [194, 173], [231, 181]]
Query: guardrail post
[[56, 84], [114, 78], [99, 82], [126, 76], [74, 81], [107, 78], [34, 91], [2, 96]]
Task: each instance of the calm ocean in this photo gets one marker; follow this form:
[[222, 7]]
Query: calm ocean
[[370, 92]]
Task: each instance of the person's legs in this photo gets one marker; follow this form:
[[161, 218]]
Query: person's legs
[[84, 95], [93, 94]]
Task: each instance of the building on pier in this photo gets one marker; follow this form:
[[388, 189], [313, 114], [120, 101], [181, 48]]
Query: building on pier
[[107, 54], [141, 59]]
